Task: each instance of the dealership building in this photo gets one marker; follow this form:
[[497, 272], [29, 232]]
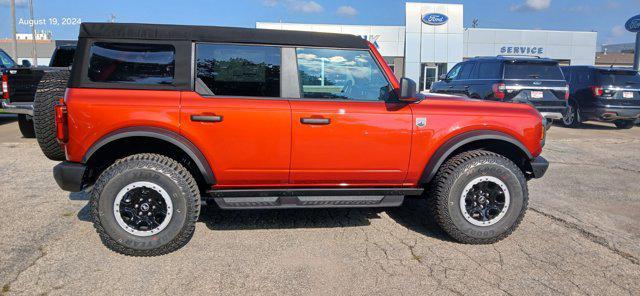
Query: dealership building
[[434, 39]]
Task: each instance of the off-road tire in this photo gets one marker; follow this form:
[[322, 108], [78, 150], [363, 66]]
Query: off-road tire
[[571, 117], [50, 89], [449, 183], [624, 124], [173, 178], [26, 126]]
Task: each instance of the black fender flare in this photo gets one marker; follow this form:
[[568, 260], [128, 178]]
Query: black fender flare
[[161, 134], [451, 145]]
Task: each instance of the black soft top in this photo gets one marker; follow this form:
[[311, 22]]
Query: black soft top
[[219, 34]]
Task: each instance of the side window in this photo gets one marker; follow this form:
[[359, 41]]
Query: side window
[[489, 70], [135, 63], [453, 74], [5, 60], [465, 71], [341, 74], [238, 70]]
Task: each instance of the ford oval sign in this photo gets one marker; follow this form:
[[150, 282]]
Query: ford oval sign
[[435, 19], [633, 24]]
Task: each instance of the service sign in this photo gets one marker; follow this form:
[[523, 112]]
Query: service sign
[[633, 24], [435, 19]]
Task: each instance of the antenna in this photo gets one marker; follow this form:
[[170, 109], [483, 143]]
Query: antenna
[[474, 23]]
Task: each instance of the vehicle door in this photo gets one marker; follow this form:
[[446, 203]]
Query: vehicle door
[[237, 115], [348, 129], [462, 82]]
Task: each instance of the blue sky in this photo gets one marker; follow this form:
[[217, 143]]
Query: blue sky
[[607, 17]]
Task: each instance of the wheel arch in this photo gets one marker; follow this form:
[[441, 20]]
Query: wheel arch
[[143, 139], [489, 140]]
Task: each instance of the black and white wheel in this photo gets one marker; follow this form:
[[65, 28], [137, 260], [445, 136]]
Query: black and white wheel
[[25, 124], [571, 118], [145, 205], [479, 197], [624, 124]]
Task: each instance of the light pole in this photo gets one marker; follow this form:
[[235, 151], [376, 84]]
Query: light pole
[[33, 34], [14, 46]]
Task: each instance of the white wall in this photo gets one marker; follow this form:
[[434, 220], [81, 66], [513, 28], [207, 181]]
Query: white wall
[[578, 47], [432, 44], [390, 39]]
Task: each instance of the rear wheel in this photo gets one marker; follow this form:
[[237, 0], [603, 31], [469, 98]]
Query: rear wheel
[[25, 123], [50, 89], [479, 197], [145, 205], [624, 124], [571, 118]]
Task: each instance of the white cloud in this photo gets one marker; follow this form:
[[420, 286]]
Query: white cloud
[[347, 11], [531, 5], [618, 31], [304, 6], [19, 3], [337, 59], [270, 3]]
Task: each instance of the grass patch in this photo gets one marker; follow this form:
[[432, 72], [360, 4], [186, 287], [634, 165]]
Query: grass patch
[[67, 214]]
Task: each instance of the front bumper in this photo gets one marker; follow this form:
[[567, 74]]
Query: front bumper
[[539, 167], [69, 175], [18, 108]]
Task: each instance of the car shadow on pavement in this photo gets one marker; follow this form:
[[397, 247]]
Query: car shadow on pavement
[[591, 126], [413, 215], [7, 118]]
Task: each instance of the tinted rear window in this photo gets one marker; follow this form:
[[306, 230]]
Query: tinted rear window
[[239, 70], [618, 77], [63, 57], [532, 71], [134, 63], [489, 70]]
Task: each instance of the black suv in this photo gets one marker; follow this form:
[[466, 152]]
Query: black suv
[[518, 79], [605, 94]]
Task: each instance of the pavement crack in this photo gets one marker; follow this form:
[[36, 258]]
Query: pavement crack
[[590, 236], [41, 255]]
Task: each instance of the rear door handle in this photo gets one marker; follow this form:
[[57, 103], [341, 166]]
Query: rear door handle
[[316, 121], [206, 118]]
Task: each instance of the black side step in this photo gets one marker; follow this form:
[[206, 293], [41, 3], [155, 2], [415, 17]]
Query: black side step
[[289, 202], [311, 198]]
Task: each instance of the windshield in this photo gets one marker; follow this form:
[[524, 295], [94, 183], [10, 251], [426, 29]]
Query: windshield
[[6, 60], [545, 71], [618, 77]]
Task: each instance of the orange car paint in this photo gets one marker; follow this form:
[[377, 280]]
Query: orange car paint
[[262, 143]]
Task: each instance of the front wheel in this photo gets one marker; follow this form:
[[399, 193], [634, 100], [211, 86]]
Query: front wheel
[[145, 205], [624, 124], [25, 124], [479, 197]]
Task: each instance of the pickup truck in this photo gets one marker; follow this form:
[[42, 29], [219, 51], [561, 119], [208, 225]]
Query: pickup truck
[[22, 83], [157, 119]]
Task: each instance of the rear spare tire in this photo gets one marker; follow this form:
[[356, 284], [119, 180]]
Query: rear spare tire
[[50, 89], [25, 123]]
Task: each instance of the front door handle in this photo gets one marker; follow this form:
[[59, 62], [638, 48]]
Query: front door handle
[[450, 86], [206, 118], [316, 121], [466, 86]]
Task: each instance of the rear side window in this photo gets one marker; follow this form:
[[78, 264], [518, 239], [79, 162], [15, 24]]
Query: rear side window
[[238, 70], [134, 63], [525, 70], [618, 78], [489, 70], [62, 57]]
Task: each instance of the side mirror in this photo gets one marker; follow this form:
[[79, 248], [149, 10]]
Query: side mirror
[[408, 90], [26, 63], [443, 77]]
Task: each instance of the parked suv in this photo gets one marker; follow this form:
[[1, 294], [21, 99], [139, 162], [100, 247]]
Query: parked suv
[[159, 117], [605, 94], [518, 79]]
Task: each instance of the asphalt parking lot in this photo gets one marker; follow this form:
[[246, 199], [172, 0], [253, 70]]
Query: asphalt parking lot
[[580, 236]]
